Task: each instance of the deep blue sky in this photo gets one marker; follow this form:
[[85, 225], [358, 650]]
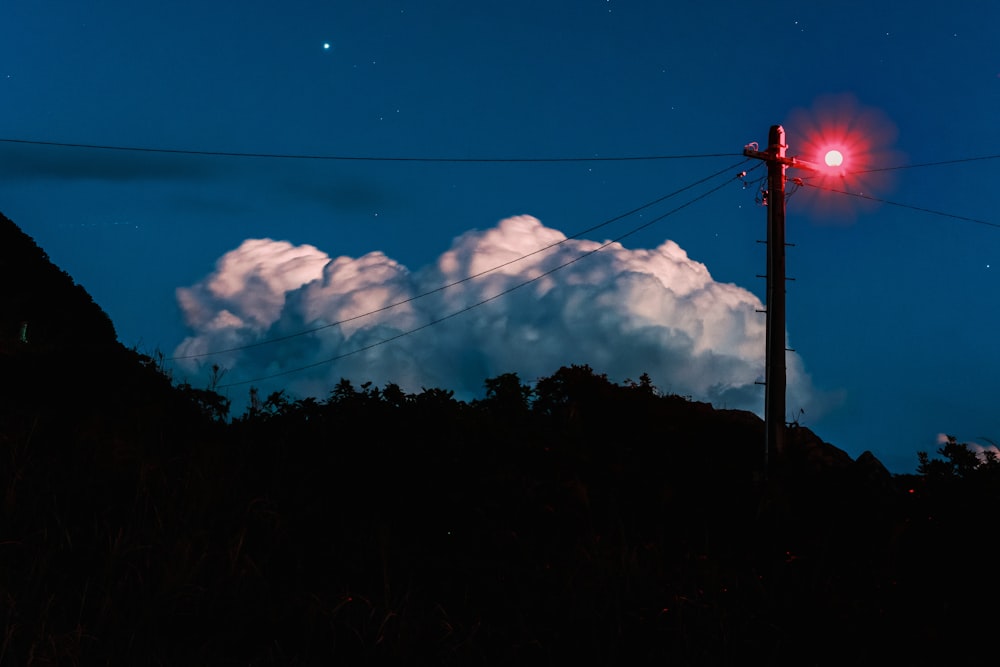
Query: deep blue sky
[[894, 311]]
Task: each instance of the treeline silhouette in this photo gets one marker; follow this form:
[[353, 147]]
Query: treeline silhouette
[[569, 519]]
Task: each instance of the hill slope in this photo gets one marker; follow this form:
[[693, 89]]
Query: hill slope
[[576, 519]]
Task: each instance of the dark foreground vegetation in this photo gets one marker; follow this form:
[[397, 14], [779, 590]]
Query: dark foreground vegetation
[[573, 520]]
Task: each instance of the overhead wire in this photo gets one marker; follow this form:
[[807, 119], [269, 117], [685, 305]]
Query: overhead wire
[[462, 280], [375, 158], [498, 295], [892, 203], [927, 164], [362, 158]]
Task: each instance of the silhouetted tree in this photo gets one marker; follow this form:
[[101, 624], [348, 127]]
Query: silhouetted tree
[[569, 389], [959, 461], [211, 404], [507, 395]]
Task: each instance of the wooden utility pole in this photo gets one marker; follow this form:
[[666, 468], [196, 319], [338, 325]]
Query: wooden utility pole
[[774, 364], [774, 368]]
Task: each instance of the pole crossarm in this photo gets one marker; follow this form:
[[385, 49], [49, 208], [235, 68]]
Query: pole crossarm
[[788, 161]]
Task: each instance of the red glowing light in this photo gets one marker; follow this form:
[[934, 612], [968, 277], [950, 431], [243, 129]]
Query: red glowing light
[[833, 158], [850, 144]]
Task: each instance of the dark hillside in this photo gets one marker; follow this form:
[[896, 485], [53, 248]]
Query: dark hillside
[[571, 520], [91, 436], [43, 300], [58, 349]]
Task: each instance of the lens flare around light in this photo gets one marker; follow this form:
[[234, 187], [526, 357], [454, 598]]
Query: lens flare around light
[[848, 142]]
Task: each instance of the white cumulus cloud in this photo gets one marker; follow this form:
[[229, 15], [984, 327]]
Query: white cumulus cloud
[[624, 312]]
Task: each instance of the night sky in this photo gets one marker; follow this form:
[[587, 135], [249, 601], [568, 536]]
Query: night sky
[[892, 315]]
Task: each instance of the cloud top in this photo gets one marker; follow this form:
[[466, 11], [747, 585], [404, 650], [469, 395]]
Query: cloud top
[[622, 311]]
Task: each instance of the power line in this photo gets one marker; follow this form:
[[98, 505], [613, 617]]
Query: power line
[[373, 158], [927, 164], [462, 280], [491, 298], [363, 158], [892, 203]]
